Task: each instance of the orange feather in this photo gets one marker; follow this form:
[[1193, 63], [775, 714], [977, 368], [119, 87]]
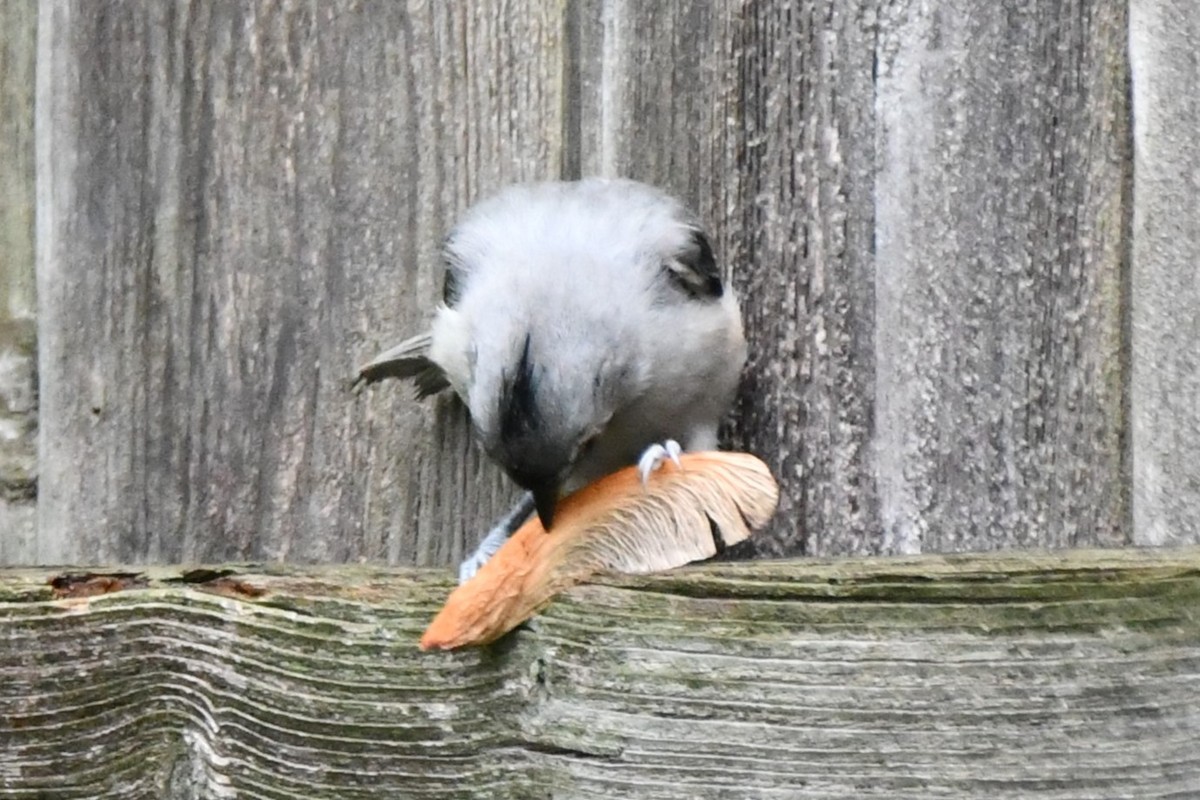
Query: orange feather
[[613, 524]]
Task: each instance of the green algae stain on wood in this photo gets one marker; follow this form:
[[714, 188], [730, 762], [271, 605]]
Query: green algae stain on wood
[[1065, 675]]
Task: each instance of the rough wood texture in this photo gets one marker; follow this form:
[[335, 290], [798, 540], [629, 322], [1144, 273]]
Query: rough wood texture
[[805, 216], [1022, 676], [929, 212], [1165, 303], [925, 211], [18, 354], [1001, 242], [242, 202], [761, 116]]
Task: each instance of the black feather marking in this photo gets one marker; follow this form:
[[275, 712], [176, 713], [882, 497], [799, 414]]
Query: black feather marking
[[694, 270], [430, 381], [519, 414], [452, 278], [450, 288]]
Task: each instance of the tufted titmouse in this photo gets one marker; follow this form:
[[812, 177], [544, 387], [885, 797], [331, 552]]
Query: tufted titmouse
[[586, 327]]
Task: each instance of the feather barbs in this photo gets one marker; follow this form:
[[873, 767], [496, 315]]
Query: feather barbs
[[683, 514]]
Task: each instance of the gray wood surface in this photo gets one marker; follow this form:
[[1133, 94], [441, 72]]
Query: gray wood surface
[[253, 204], [925, 213], [764, 125], [804, 213], [1165, 277], [18, 352], [1065, 676], [1001, 240], [972, 321]]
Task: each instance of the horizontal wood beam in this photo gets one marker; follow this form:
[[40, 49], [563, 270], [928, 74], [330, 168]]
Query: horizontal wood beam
[[1056, 675]]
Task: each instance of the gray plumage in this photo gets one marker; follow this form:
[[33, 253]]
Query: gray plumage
[[583, 322]]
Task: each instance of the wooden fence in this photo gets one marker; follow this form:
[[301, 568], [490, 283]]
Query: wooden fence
[[1067, 676], [966, 238]]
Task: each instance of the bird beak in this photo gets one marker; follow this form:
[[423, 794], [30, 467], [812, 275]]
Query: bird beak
[[545, 499]]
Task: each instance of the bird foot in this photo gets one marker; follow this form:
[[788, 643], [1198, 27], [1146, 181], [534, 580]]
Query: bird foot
[[655, 455]]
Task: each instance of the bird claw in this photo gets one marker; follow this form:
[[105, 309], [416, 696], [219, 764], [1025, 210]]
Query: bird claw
[[655, 455]]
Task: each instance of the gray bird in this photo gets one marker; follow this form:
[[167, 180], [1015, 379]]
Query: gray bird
[[586, 327]]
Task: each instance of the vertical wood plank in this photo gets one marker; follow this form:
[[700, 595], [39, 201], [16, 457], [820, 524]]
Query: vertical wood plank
[[18, 356], [925, 210], [806, 216], [1164, 39], [242, 202], [760, 116], [1001, 239]]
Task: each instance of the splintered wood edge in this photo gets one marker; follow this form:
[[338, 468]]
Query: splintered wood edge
[[613, 525]]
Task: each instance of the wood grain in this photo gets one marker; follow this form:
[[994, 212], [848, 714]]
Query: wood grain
[[969, 315], [1165, 276], [18, 346], [1029, 675], [1002, 240], [241, 202], [925, 212], [805, 214], [760, 116]]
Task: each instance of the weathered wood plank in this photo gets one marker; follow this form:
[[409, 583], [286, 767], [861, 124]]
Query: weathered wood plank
[[240, 203], [927, 211], [18, 354], [761, 116], [1041, 675], [806, 217], [1001, 240], [932, 290], [1165, 303]]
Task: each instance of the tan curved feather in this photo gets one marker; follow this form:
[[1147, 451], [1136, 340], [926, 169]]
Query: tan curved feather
[[614, 524]]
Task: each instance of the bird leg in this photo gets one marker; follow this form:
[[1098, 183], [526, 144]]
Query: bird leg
[[496, 537]]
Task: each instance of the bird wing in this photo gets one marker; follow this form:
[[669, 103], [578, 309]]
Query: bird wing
[[409, 359], [695, 269]]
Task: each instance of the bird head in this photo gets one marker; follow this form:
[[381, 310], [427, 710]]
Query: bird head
[[548, 415]]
